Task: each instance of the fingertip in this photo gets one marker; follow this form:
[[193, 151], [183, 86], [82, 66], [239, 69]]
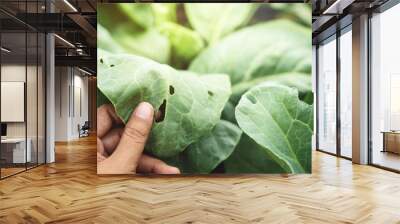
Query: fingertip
[[168, 170], [174, 170], [144, 111]]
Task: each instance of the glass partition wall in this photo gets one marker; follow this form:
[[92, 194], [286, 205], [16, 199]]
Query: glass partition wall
[[22, 77], [334, 93], [385, 89]]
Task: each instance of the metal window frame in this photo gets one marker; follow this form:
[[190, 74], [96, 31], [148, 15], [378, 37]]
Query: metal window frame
[[386, 6], [339, 32]]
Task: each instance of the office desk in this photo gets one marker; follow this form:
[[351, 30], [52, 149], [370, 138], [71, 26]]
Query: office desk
[[391, 141], [13, 150]]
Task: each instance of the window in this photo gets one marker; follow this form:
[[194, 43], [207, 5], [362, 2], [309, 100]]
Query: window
[[327, 96], [346, 93], [385, 89]]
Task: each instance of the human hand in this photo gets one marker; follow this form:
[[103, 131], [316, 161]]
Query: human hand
[[120, 149]]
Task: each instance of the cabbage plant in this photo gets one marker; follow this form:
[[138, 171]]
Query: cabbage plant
[[231, 81]]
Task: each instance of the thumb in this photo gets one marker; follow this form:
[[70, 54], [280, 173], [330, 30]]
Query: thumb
[[133, 139]]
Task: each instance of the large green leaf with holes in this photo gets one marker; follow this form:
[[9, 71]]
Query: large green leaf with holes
[[276, 119], [264, 49], [191, 105], [206, 154]]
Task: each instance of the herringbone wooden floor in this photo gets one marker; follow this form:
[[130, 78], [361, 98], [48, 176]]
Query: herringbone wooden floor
[[69, 191]]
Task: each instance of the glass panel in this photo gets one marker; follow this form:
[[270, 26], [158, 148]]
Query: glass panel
[[31, 98], [13, 86], [327, 96], [346, 94], [23, 91], [385, 92], [32, 87]]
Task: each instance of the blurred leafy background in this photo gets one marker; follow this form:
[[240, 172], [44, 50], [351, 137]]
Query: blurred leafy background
[[175, 33]]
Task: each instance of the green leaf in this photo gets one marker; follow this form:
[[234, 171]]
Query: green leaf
[[139, 13], [300, 81], [275, 118], [274, 47], [250, 157], [185, 43], [109, 16], [307, 97], [300, 11], [105, 41], [191, 104], [206, 154], [213, 21], [164, 12], [149, 43]]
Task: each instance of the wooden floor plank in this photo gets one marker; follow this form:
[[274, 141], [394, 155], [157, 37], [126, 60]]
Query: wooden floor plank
[[69, 191]]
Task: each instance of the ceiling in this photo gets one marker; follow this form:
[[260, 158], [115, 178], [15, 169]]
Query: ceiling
[[74, 22], [331, 15]]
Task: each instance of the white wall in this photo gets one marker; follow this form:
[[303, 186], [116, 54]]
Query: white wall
[[33, 127], [61, 103], [70, 84]]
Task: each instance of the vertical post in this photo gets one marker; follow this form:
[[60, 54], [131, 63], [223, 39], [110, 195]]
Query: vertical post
[[360, 90], [0, 98], [50, 93], [338, 76]]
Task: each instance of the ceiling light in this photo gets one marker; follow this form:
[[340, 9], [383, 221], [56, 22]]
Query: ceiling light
[[331, 7], [84, 71], [337, 7], [64, 40], [70, 5], [5, 50]]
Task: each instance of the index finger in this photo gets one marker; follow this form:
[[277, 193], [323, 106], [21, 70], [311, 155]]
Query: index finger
[[106, 118]]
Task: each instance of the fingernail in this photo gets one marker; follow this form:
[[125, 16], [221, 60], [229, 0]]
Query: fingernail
[[173, 170], [144, 110]]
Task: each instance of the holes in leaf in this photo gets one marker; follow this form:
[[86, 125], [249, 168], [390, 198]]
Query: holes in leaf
[[160, 115], [101, 60], [210, 93], [111, 65], [252, 99], [171, 90]]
